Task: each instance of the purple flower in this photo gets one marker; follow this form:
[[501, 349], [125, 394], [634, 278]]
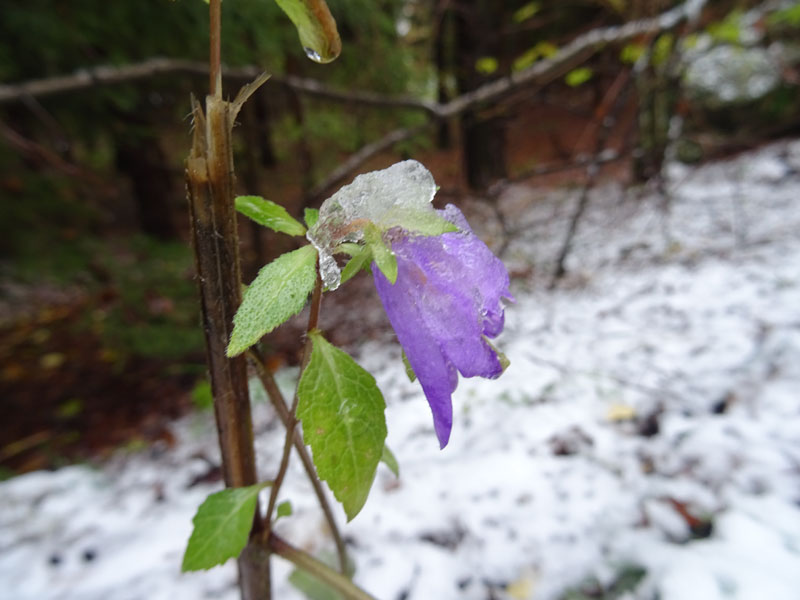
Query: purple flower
[[445, 303]]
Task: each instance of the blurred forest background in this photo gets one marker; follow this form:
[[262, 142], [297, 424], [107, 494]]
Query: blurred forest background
[[100, 342]]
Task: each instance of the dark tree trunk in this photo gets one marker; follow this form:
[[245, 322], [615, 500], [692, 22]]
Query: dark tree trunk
[[144, 162], [476, 34], [263, 126], [484, 149], [443, 61]]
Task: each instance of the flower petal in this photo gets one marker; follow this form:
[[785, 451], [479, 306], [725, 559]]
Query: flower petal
[[450, 308], [435, 373], [447, 299]]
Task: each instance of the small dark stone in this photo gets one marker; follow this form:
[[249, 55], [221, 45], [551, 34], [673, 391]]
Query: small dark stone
[[464, 583], [89, 555], [55, 559]]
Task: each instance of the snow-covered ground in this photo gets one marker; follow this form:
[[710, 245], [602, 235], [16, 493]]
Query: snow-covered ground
[[649, 423]]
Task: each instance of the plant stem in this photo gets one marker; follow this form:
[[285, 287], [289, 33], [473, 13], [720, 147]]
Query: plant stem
[[313, 318], [318, 569], [215, 47], [279, 404], [210, 183]]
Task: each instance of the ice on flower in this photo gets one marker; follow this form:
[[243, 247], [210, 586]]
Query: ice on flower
[[392, 197], [446, 302]]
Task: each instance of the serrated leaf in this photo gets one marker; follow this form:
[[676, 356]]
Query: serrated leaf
[[388, 458], [311, 216], [267, 213], [284, 509], [412, 377], [381, 254], [221, 527], [316, 28], [358, 262], [278, 292], [341, 409]]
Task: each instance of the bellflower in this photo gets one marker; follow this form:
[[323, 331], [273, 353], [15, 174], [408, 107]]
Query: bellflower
[[444, 305]]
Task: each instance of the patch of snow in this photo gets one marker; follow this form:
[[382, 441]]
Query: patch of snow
[[650, 417]]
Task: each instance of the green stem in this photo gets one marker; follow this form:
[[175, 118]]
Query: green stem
[[318, 569], [279, 404]]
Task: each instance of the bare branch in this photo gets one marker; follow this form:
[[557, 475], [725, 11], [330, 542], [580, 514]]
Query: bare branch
[[541, 72]]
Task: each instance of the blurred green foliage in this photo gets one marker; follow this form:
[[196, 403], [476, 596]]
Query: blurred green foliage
[[66, 230]]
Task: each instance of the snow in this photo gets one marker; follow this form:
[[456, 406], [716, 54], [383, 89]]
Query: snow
[[652, 396]]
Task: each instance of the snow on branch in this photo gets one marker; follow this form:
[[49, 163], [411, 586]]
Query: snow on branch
[[541, 72]]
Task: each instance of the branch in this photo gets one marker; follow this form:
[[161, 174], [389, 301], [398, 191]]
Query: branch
[[541, 72], [320, 570], [279, 404], [291, 427], [363, 155]]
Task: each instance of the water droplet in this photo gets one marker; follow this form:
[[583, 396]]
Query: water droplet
[[313, 55]]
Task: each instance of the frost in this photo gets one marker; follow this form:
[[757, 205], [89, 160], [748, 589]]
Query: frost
[[388, 198]]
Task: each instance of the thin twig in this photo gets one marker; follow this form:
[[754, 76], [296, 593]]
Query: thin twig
[[313, 318], [279, 404], [611, 104]]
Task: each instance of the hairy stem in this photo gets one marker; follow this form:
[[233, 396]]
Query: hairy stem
[[279, 404], [210, 184], [313, 318], [320, 570]]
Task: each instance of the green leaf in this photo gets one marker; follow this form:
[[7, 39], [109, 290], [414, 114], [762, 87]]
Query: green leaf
[[278, 292], [543, 49], [578, 76], [662, 49], [316, 28], [486, 65], [311, 216], [383, 256], [388, 458], [267, 213], [284, 509], [349, 248], [630, 53], [526, 11], [221, 527], [728, 30], [787, 16], [341, 409], [412, 377], [423, 223], [358, 262]]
